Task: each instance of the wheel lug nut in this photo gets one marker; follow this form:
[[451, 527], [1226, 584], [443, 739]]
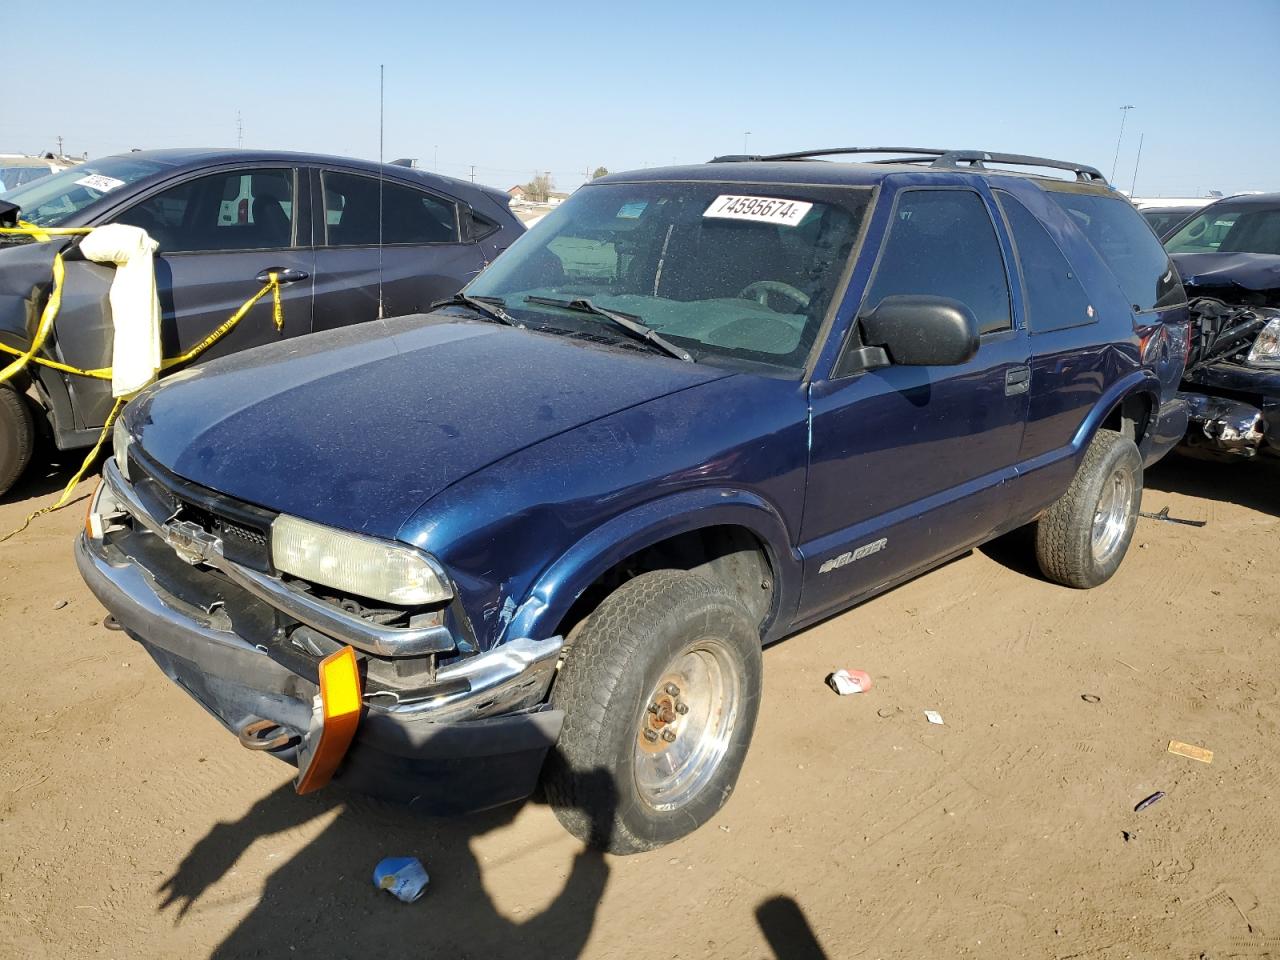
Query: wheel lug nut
[[651, 736], [668, 736], [672, 690], [682, 708], [653, 707]]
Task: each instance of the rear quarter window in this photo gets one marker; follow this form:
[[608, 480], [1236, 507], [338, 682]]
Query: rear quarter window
[[1127, 246], [1055, 298]]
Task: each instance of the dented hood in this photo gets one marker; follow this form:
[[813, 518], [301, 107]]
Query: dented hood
[[1231, 276], [360, 426]]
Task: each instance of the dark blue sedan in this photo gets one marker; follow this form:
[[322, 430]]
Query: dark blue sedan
[[223, 220]]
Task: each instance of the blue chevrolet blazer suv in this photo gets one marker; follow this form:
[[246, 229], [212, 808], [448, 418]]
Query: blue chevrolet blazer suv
[[540, 534]]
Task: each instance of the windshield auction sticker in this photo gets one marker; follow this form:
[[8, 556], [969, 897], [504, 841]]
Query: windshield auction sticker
[[785, 213], [96, 181]]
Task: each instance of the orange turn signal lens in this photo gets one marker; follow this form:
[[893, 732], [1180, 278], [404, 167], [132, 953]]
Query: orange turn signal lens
[[340, 698], [88, 513]]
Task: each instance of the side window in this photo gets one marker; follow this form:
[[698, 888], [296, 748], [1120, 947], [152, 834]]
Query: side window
[[1055, 299], [942, 243], [239, 210], [1127, 246], [408, 215]]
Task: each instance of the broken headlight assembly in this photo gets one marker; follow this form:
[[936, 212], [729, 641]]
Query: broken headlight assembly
[[365, 566], [1266, 348], [120, 440]]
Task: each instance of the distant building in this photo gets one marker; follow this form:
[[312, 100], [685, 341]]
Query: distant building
[[517, 193]]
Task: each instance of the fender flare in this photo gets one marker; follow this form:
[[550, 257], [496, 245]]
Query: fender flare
[[1134, 383], [560, 585]]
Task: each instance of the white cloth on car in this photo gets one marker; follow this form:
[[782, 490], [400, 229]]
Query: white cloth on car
[[135, 306]]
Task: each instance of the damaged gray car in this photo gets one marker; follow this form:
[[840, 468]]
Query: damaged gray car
[[1229, 258]]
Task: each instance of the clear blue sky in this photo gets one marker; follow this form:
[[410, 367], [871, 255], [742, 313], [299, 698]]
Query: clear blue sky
[[563, 87]]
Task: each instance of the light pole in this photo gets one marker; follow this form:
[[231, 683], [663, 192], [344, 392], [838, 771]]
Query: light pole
[[1124, 112], [745, 135]]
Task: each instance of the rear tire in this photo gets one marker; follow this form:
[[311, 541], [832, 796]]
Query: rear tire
[[1082, 538], [660, 691], [17, 436]]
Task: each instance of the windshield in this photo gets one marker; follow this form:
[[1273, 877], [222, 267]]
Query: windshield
[[51, 201], [737, 272], [1230, 228], [1162, 221], [16, 176]]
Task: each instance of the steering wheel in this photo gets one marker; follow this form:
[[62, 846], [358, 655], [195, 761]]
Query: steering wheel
[[760, 290]]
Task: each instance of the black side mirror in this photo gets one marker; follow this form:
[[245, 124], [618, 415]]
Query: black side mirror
[[9, 214], [922, 331]]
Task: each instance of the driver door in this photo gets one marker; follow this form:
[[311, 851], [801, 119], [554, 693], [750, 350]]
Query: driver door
[[908, 464]]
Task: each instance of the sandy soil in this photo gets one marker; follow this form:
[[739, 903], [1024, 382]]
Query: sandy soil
[[131, 825]]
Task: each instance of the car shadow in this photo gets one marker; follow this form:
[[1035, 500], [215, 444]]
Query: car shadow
[[1253, 484], [1016, 551], [49, 475], [322, 902], [787, 931]]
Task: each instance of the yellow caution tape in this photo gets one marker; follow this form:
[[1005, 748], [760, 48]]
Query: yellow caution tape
[[50, 313]]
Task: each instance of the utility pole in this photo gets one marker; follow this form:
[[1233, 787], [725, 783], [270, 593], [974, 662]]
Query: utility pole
[[1134, 185], [745, 135], [473, 173], [239, 131], [435, 158], [1124, 112], [59, 146]]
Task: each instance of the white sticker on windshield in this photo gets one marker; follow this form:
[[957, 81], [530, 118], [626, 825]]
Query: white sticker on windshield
[[96, 181], [785, 213]]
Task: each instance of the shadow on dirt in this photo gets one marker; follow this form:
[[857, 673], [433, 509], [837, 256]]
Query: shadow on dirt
[[50, 470], [322, 902], [1254, 484], [1015, 551], [789, 935]]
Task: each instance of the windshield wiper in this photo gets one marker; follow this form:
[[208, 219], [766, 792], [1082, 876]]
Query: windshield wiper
[[490, 307], [632, 326]]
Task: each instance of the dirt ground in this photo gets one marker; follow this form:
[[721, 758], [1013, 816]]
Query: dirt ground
[[132, 826]]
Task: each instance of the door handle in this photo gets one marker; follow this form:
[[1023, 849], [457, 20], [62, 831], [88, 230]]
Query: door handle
[[1017, 380], [283, 274]]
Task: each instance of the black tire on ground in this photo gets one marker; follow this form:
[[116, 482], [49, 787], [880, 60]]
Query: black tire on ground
[[1068, 545], [632, 646], [17, 436]]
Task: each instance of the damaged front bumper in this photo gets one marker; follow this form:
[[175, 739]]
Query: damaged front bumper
[[475, 738], [1238, 413]]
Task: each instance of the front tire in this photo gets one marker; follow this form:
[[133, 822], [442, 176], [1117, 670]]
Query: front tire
[[17, 436], [1082, 538], [660, 690]]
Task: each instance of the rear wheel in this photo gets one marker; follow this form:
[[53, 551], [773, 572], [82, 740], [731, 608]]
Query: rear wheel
[[1082, 538], [660, 692], [17, 436]]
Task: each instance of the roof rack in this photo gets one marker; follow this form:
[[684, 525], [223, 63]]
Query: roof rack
[[953, 159]]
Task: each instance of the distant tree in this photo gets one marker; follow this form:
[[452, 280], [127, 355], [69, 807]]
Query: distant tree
[[539, 188], [600, 172]]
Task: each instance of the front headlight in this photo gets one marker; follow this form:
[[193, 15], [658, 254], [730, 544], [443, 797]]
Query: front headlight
[[120, 440], [1266, 348], [365, 566]]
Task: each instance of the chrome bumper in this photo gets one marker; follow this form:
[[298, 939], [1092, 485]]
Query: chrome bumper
[[512, 677]]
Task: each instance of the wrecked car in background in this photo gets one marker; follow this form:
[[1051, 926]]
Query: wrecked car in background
[[1229, 258], [225, 220]]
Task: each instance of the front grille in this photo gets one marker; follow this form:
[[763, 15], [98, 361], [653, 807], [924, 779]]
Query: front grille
[[244, 529]]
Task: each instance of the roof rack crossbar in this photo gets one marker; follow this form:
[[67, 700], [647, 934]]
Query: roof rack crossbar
[[936, 157]]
